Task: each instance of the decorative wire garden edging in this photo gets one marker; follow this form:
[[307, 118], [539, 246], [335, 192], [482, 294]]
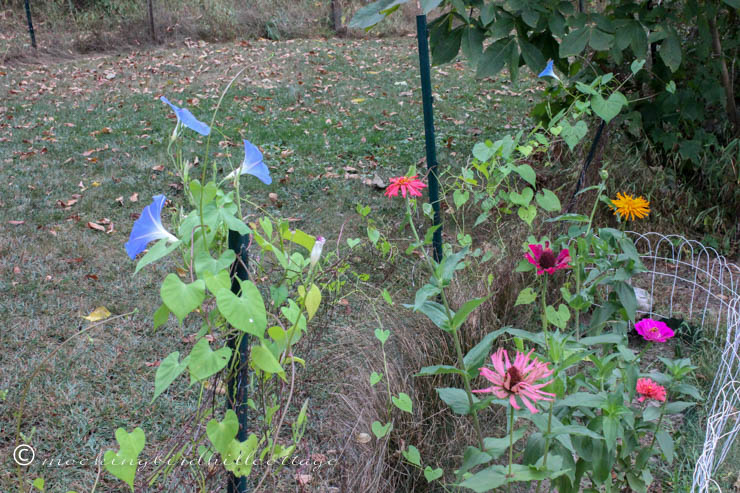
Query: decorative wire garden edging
[[685, 271]]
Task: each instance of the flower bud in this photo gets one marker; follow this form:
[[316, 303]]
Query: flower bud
[[316, 250]]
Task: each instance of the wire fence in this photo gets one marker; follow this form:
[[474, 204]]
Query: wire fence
[[689, 280]]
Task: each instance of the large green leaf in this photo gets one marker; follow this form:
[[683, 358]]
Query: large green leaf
[[607, 109], [182, 298], [245, 312], [445, 45], [495, 56], [670, 51], [264, 360], [574, 42], [464, 312], [457, 399], [472, 44], [204, 362], [159, 250], [626, 294], [169, 369], [372, 13], [222, 433]]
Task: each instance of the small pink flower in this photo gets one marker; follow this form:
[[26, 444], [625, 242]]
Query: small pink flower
[[517, 380], [545, 260], [406, 184], [648, 389], [654, 331]]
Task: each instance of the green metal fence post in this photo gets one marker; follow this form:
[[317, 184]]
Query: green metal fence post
[[236, 397], [431, 150]]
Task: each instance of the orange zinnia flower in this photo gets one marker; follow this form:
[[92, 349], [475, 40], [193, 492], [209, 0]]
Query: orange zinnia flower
[[629, 207]]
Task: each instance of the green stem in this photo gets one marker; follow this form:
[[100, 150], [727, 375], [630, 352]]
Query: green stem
[[455, 336], [544, 308], [511, 450], [547, 445], [657, 428], [387, 379], [578, 290], [547, 343]]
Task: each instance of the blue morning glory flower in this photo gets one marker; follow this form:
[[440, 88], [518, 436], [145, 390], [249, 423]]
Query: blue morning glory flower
[[148, 228], [187, 119], [549, 72], [253, 164]]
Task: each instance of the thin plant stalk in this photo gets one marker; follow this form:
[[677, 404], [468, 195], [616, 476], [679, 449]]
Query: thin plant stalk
[[455, 335], [511, 449]]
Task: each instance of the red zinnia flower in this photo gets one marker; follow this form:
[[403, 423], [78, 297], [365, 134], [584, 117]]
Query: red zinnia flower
[[545, 260], [517, 380], [653, 330], [648, 389], [406, 184]]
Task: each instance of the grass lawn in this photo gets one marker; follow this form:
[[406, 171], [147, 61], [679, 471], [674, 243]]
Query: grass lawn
[[83, 144]]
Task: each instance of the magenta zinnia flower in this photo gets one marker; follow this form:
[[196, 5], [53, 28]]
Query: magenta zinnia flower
[[545, 260], [405, 184], [517, 380], [653, 330], [648, 389]]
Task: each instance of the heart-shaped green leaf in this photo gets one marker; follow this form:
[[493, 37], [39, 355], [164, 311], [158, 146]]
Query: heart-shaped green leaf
[[432, 474], [526, 296], [353, 242], [182, 298], [609, 108], [523, 198], [245, 312], [412, 455], [559, 318], [204, 362], [527, 214], [169, 369], [382, 335], [548, 200], [403, 402], [572, 134], [122, 464], [380, 430], [375, 377], [222, 433]]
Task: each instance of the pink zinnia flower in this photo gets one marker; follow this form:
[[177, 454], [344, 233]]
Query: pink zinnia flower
[[545, 260], [517, 380], [406, 184], [652, 330], [648, 389]]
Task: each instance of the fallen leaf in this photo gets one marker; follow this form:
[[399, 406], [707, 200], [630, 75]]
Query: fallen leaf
[[159, 167], [16, 223], [303, 479], [95, 226], [100, 313], [119, 200], [362, 438], [376, 182], [273, 196], [154, 364], [134, 197], [92, 277]]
